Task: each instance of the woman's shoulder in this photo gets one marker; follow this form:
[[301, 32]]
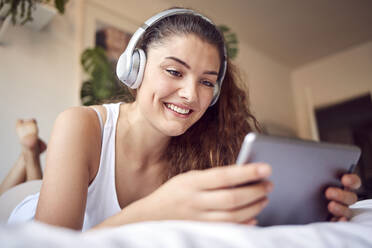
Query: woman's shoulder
[[79, 121], [83, 115], [77, 135]]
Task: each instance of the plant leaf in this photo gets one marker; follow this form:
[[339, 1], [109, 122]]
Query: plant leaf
[[60, 5], [102, 83], [231, 41]]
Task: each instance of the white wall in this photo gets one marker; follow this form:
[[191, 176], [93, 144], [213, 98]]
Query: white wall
[[330, 80], [270, 90], [38, 72]]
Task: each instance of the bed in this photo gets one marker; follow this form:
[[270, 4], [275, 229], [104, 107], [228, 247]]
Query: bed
[[173, 234]]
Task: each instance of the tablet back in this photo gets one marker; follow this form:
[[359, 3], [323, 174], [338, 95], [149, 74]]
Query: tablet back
[[302, 170]]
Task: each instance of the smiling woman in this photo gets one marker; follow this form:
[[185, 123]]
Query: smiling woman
[[121, 163], [200, 59], [178, 85]]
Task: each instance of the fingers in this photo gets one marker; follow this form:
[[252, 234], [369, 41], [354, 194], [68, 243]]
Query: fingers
[[251, 222], [340, 200], [339, 210], [241, 215], [339, 219], [342, 196], [342, 219], [229, 176], [232, 198], [351, 181], [334, 219]]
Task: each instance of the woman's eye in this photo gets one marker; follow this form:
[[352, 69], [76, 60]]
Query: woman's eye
[[174, 73], [207, 83]]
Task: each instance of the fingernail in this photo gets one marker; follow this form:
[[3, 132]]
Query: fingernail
[[264, 170], [348, 180], [334, 194], [336, 208]]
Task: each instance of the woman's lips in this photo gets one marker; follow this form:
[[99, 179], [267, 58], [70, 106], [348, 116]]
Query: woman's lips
[[178, 110]]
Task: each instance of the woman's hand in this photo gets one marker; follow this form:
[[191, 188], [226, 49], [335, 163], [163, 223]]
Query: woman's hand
[[341, 199], [209, 195]]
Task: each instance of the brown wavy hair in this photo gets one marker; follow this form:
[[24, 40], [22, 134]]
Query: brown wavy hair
[[216, 138]]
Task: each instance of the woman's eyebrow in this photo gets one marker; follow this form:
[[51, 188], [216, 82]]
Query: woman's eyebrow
[[211, 73], [179, 61], [188, 67]]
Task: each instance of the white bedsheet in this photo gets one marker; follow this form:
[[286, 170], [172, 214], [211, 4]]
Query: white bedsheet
[[174, 234]]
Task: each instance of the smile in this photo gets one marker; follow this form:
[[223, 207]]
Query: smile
[[178, 109]]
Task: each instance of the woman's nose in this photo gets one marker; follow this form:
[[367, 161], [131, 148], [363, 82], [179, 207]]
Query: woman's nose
[[188, 90]]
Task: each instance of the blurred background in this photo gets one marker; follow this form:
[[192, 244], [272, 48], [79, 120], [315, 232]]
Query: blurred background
[[307, 64]]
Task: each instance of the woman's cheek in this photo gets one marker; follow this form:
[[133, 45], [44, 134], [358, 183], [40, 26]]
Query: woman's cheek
[[206, 97], [165, 87]]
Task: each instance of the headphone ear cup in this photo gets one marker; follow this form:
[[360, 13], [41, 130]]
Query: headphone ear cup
[[121, 70], [141, 64], [132, 76]]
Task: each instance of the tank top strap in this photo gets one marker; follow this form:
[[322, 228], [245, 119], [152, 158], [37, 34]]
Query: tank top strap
[[112, 113], [102, 201], [107, 159], [100, 120]]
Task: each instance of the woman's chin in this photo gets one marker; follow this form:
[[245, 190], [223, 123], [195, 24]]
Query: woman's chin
[[174, 131]]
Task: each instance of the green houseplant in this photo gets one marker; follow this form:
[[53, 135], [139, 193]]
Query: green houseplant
[[21, 10], [102, 83], [231, 41]]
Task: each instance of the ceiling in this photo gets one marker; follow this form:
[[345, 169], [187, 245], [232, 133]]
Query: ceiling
[[293, 32]]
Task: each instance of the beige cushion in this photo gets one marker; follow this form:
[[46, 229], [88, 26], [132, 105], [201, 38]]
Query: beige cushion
[[11, 198]]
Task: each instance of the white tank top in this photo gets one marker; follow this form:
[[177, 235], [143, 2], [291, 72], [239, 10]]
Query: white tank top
[[102, 200]]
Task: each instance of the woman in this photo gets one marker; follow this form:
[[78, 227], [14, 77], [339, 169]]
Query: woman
[[123, 163]]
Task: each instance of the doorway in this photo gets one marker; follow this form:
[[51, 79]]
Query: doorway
[[350, 122]]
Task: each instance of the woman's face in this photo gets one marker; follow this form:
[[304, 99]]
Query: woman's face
[[178, 83]]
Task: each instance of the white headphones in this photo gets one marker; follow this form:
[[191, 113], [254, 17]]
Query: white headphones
[[132, 61]]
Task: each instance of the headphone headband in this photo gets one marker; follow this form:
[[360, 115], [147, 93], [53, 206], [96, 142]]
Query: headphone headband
[[126, 64]]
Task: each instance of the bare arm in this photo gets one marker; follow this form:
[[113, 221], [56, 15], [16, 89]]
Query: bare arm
[[207, 195], [73, 150]]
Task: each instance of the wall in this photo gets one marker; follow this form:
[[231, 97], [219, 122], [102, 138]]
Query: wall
[[270, 90], [38, 73], [332, 79]]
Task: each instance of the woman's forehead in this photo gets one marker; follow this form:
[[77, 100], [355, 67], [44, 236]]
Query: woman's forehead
[[190, 48]]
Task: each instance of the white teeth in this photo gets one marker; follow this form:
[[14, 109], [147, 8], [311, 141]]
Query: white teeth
[[177, 109]]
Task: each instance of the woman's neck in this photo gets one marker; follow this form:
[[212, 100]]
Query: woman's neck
[[143, 144]]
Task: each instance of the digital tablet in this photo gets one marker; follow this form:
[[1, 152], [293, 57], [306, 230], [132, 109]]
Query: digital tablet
[[301, 171]]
